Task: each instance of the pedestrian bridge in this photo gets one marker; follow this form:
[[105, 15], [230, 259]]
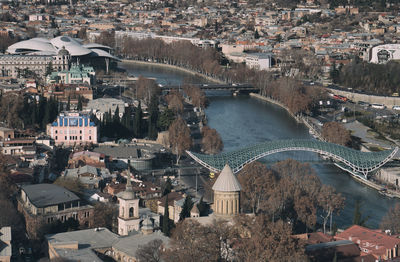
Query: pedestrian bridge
[[351, 160]]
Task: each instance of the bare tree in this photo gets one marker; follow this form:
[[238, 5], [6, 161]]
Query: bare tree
[[330, 203], [211, 142], [175, 101], [179, 137], [335, 132], [391, 220], [150, 252]]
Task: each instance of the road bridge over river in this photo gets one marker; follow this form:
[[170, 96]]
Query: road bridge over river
[[350, 160], [229, 87]]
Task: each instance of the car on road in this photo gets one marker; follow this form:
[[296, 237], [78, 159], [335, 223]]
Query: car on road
[[396, 107], [378, 106]]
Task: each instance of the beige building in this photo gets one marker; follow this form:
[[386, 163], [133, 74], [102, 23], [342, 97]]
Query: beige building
[[128, 218], [226, 194]]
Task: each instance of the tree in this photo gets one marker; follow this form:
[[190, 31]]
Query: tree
[[191, 241], [186, 208], [358, 217], [175, 101], [105, 215], [74, 185], [202, 207], [263, 240], [391, 220], [335, 132], [49, 69], [257, 186], [256, 34], [165, 120], [167, 187], [179, 137], [166, 223], [211, 142], [68, 104], [153, 118], [330, 203], [138, 121], [79, 106], [150, 252]]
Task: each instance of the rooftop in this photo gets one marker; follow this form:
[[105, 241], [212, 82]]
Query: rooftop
[[43, 195], [227, 181]]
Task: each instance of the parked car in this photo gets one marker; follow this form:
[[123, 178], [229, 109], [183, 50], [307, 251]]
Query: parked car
[[396, 107], [378, 106]]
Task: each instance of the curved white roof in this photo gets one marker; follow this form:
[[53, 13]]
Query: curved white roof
[[102, 53], [71, 45], [51, 47], [95, 45], [227, 181], [34, 44]]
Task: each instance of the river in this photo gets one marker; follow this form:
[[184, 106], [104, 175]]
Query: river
[[243, 121]]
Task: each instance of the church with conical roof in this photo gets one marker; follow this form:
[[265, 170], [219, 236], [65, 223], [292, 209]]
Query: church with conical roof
[[226, 194]]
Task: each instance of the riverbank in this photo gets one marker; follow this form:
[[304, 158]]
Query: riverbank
[[301, 119], [174, 67]]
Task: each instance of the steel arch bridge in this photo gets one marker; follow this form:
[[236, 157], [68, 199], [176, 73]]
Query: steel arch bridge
[[351, 160]]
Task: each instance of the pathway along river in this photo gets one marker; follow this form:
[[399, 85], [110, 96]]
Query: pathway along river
[[243, 121]]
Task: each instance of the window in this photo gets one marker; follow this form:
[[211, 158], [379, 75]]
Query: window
[[56, 138], [131, 212], [80, 131], [65, 137], [80, 138], [56, 132], [90, 137]]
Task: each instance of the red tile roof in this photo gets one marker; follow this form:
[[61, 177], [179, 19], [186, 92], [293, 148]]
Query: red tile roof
[[371, 242]]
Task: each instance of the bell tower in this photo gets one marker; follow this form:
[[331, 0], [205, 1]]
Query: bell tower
[[128, 215]]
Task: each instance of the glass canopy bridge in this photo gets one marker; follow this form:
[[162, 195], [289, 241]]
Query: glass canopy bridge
[[353, 161]]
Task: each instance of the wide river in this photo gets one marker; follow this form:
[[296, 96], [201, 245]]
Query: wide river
[[244, 121]]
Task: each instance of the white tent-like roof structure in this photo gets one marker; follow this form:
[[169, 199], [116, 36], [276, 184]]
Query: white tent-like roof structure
[[53, 46], [227, 181]]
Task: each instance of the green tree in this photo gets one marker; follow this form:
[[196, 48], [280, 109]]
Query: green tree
[[153, 118], [79, 106], [165, 120], [68, 104], [256, 34], [138, 121], [167, 187], [202, 207], [186, 208], [166, 224], [49, 69]]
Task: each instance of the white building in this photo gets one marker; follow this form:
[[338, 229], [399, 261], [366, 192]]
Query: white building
[[259, 61], [383, 53], [128, 215], [100, 106]]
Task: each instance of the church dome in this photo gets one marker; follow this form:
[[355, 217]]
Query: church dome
[[128, 194], [63, 52], [227, 181]]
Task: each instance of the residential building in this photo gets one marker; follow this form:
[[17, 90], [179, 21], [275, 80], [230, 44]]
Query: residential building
[[89, 176], [259, 61], [380, 245], [5, 244], [389, 175], [43, 204], [82, 158], [85, 245], [100, 106], [73, 128]]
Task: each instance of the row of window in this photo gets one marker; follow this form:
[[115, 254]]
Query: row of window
[[73, 138], [72, 132]]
